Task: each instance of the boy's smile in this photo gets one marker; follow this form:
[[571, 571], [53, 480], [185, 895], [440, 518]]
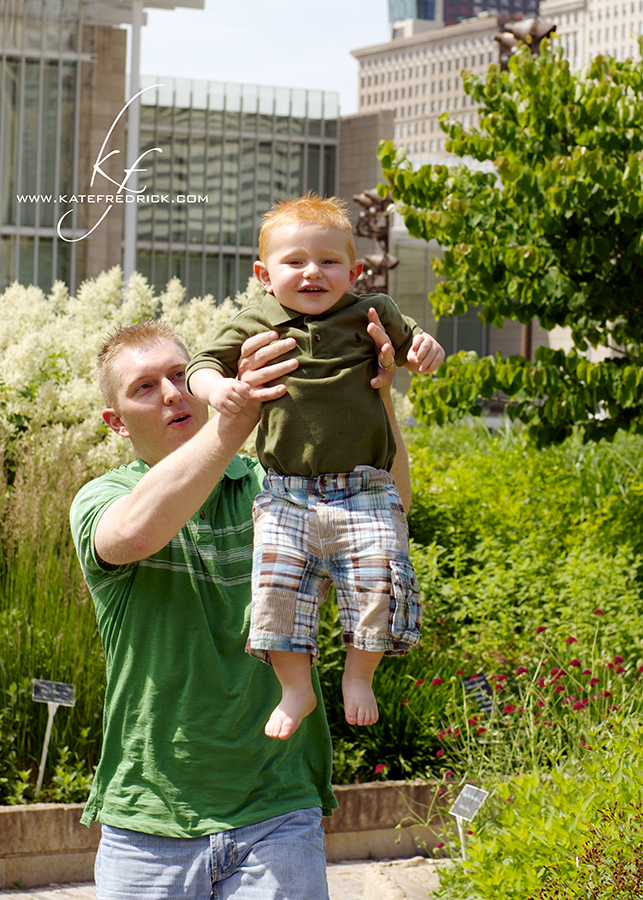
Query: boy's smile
[[308, 267]]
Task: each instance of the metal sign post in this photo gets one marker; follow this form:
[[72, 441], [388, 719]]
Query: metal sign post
[[466, 806], [54, 694]]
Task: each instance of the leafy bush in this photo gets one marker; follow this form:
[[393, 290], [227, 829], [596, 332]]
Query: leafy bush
[[549, 833]]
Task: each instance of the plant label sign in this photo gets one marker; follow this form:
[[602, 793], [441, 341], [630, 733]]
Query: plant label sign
[[468, 802], [480, 689], [54, 694]]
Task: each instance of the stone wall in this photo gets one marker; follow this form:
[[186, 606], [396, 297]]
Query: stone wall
[[44, 843]]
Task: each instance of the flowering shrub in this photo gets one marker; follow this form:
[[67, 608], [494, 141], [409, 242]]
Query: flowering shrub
[[48, 346], [542, 710]]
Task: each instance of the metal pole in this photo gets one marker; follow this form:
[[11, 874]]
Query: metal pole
[[133, 131], [51, 708]]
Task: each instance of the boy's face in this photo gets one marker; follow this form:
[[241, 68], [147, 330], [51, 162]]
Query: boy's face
[[308, 267]]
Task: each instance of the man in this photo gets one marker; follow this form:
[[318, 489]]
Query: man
[[195, 800]]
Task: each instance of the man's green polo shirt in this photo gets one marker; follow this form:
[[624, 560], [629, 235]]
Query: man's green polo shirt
[[184, 751], [331, 419]]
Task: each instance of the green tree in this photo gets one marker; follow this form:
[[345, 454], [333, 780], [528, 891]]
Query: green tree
[[553, 232]]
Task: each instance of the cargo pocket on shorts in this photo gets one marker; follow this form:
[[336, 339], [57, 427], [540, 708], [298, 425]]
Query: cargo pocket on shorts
[[407, 612]]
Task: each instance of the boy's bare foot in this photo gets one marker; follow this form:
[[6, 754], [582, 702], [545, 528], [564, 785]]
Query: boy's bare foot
[[360, 705], [287, 716]]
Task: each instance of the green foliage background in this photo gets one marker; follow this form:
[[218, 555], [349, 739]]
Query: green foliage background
[[504, 537], [552, 233]]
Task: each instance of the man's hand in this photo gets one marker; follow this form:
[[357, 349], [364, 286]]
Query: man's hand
[[425, 354], [384, 349], [257, 366]]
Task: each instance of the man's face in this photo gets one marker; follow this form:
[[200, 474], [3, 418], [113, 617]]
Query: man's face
[[153, 407], [308, 267]]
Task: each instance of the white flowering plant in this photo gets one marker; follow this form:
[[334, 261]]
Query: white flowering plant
[[48, 344]]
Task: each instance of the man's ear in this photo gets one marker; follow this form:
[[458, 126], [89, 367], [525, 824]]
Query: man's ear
[[263, 275], [356, 271], [111, 418]]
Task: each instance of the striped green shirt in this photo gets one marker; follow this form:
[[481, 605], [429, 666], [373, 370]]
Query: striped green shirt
[[184, 753]]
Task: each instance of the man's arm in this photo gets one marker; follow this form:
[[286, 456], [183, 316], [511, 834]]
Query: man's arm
[[142, 523], [383, 380]]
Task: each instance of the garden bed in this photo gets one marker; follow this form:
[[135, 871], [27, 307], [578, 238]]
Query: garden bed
[[44, 843]]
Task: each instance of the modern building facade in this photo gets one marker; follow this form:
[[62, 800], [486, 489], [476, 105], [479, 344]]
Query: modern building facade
[[216, 155], [419, 77], [230, 151]]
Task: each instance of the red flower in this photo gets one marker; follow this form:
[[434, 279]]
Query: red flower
[[419, 682], [521, 670], [598, 612], [443, 734], [456, 732], [554, 671], [459, 672], [499, 687], [404, 702], [502, 678], [559, 688], [440, 845], [593, 681], [437, 681], [575, 663], [540, 703], [439, 754], [509, 708], [586, 672], [472, 721], [618, 660], [540, 629], [542, 682], [480, 730], [620, 669], [448, 774], [610, 665], [570, 640], [380, 767], [606, 694], [639, 670]]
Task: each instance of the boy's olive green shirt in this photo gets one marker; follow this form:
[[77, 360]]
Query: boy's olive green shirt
[[331, 419]]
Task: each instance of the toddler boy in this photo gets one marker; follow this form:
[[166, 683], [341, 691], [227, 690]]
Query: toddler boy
[[330, 511]]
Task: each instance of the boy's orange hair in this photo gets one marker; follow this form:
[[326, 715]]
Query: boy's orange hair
[[327, 212]]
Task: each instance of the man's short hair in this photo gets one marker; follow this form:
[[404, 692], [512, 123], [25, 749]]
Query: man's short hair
[[147, 331], [327, 212]]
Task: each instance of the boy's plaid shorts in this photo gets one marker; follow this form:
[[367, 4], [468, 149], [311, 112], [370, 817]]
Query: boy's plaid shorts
[[347, 529]]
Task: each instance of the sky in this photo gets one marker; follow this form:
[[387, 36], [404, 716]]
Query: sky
[[282, 43]]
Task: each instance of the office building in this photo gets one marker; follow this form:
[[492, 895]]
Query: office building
[[230, 150], [216, 155]]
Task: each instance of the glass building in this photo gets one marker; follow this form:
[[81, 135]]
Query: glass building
[[410, 9], [221, 155], [54, 53]]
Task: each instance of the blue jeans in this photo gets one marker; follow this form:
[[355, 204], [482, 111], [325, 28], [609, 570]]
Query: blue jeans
[[280, 859]]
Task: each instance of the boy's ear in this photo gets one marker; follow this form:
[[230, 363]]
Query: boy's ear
[[356, 271], [263, 275], [111, 418]]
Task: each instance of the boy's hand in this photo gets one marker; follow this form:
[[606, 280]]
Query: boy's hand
[[229, 396], [425, 354]]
